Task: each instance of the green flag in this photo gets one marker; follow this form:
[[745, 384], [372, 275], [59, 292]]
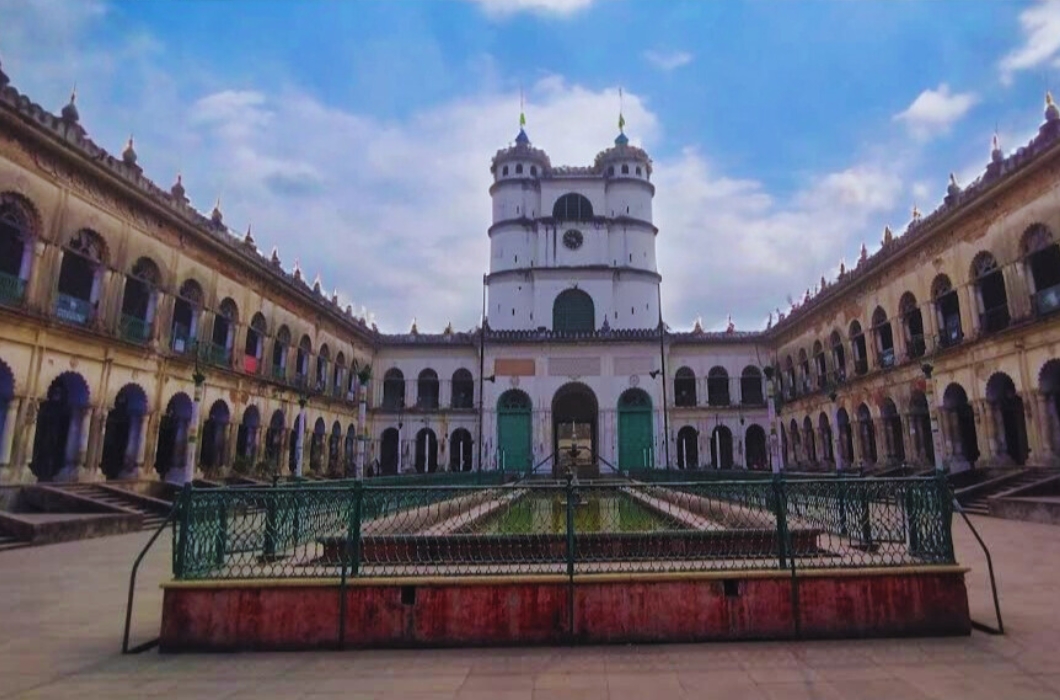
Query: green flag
[[621, 122], [522, 119]]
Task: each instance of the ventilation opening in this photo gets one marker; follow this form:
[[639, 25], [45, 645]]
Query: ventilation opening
[[732, 587], [408, 594]]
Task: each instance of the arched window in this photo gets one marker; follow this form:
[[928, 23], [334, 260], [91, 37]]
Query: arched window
[[254, 347], [504, 171], [533, 171], [518, 168], [460, 450], [16, 252], [301, 366], [81, 278], [573, 312], [139, 300], [819, 365], [426, 451], [839, 356], [858, 348], [393, 390], [625, 168], [1041, 256], [947, 311], [884, 337], [338, 384], [804, 371], [718, 387], [990, 293], [572, 207], [323, 357], [685, 387], [912, 326], [687, 448], [186, 309], [427, 390], [789, 378], [751, 387], [279, 353], [755, 448], [463, 390], [224, 332]]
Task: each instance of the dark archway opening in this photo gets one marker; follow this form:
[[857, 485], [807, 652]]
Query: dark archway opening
[[574, 430]]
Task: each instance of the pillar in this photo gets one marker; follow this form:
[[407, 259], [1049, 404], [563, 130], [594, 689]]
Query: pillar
[[28, 434], [192, 451], [228, 453], [7, 440], [80, 454], [837, 441], [362, 429], [141, 443], [1047, 429], [300, 434], [910, 440]]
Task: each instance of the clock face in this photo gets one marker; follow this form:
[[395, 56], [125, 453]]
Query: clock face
[[573, 239]]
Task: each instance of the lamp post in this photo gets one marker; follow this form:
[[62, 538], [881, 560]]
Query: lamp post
[[774, 439], [929, 392], [655, 373], [193, 429]]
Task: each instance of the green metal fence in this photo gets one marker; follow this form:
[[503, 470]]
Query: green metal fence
[[373, 528]]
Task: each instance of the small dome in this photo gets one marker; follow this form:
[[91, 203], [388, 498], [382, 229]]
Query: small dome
[[69, 112], [1052, 113], [215, 216], [249, 238], [621, 139], [177, 190], [996, 155], [954, 189], [522, 139], [275, 259], [129, 154]]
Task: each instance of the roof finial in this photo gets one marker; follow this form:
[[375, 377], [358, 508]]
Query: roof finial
[[69, 112], [129, 154], [215, 216], [730, 327], [177, 190], [888, 236], [275, 259], [621, 139], [916, 213], [522, 109], [4, 80], [995, 151], [1052, 113], [414, 330], [249, 238]]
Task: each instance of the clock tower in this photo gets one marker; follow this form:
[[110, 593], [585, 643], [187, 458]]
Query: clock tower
[[572, 249]]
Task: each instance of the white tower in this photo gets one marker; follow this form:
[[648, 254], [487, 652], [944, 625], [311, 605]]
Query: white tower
[[572, 249]]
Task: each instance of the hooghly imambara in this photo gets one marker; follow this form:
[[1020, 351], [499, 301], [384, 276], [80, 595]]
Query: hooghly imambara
[[140, 339]]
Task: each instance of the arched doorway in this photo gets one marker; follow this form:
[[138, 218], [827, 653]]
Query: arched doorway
[[426, 451], [460, 450], [350, 465], [1049, 405], [867, 431], [810, 441], [636, 448], [335, 467], [7, 394], [121, 439], [212, 452], [60, 421], [846, 436], [388, 452], [894, 447], [824, 426], [1010, 427], [755, 441], [171, 452], [961, 422], [574, 430], [920, 428], [316, 447], [687, 448], [514, 431], [721, 448], [247, 439], [274, 439]]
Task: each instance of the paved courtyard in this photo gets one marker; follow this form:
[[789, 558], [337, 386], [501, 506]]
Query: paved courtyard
[[61, 617]]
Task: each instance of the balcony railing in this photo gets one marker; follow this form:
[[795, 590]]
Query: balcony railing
[[181, 339], [279, 373], [134, 329], [1047, 300], [994, 320], [12, 288], [215, 354], [73, 310], [917, 347]]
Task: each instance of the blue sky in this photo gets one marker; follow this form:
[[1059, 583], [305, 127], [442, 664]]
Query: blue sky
[[356, 136]]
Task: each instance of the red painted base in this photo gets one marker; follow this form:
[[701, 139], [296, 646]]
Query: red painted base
[[249, 615]]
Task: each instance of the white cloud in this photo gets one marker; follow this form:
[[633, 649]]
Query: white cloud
[[668, 61], [933, 112], [502, 8], [1041, 40], [394, 213]]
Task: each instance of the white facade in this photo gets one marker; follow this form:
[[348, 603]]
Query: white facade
[[591, 367]]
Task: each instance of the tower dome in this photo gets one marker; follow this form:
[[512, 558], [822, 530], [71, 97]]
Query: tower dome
[[520, 160]]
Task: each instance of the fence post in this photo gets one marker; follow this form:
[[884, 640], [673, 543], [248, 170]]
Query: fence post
[[780, 509], [945, 500], [864, 505], [221, 533], [268, 546], [570, 555], [353, 537], [842, 498], [181, 563], [913, 495]]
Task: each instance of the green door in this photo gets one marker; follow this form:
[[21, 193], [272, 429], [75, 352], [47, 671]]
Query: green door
[[514, 435], [635, 450]]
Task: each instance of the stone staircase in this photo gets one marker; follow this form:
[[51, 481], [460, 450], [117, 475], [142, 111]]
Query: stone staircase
[[979, 504], [8, 542], [154, 511]]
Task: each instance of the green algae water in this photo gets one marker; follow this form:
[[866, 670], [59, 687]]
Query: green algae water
[[546, 513]]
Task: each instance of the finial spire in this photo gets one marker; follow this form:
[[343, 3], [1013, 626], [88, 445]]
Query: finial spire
[[69, 112], [621, 115], [522, 109], [1052, 112]]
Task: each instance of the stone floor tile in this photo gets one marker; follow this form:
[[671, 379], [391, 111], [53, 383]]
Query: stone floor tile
[[875, 689], [571, 681], [801, 690]]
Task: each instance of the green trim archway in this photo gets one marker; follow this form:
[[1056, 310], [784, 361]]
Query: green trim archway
[[514, 431], [636, 448]]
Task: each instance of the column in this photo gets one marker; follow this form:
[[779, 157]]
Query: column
[[27, 435], [991, 442], [858, 441], [300, 434], [43, 283], [888, 440], [150, 444], [1047, 428], [141, 443], [837, 440], [362, 429], [193, 438], [911, 440], [7, 440], [83, 438], [163, 319]]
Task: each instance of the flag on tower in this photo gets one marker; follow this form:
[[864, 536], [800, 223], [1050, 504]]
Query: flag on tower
[[522, 111], [621, 119]]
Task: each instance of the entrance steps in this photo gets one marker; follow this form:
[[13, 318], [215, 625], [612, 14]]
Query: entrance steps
[[975, 499], [8, 542], [153, 510]]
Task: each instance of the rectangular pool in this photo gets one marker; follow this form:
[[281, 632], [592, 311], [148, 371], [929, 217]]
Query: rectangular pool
[[543, 513]]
